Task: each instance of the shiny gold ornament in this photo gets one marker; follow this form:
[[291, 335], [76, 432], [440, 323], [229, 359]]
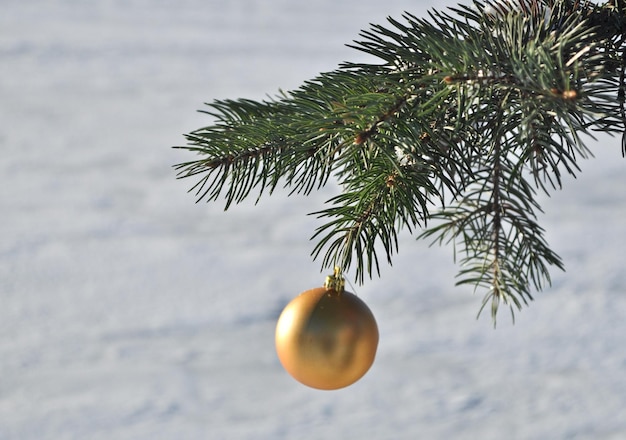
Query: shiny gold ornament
[[326, 338]]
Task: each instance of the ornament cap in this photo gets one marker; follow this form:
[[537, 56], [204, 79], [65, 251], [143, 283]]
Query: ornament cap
[[336, 281]]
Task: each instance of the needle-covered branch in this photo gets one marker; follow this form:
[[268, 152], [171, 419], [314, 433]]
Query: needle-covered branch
[[464, 116]]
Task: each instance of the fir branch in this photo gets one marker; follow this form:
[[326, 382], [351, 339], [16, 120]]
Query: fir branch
[[473, 110]]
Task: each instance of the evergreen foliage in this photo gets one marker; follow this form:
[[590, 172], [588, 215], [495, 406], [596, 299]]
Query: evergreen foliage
[[464, 117]]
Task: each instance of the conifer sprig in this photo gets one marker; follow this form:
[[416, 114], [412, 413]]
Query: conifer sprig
[[464, 116]]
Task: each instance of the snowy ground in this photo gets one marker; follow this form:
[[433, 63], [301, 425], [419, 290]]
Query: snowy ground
[[129, 312]]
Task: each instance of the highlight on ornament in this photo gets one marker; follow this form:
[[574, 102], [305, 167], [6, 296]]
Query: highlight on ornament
[[326, 337]]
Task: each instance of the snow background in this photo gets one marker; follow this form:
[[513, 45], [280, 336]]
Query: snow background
[[129, 312]]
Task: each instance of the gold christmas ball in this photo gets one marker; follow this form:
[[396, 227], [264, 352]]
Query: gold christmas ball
[[326, 338]]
